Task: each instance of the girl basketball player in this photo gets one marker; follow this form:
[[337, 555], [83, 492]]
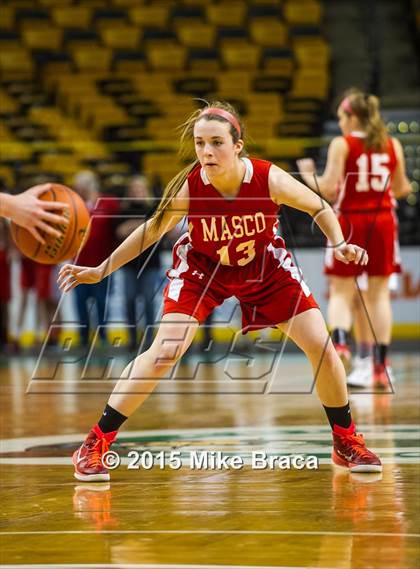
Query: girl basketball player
[[369, 167], [231, 249]]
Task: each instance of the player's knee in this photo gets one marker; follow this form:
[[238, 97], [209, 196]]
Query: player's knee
[[323, 352], [166, 354]]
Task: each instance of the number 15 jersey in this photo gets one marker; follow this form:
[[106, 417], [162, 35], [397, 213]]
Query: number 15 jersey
[[368, 176]]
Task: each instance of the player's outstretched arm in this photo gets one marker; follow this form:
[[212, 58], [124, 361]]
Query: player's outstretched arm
[[284, 189], [140, 239], [32, 213], [326, 184]]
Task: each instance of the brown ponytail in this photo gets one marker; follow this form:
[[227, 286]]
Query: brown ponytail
[[186, 151], [366, 108]]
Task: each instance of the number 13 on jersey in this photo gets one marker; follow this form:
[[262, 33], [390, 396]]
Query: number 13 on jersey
[[247, 249]]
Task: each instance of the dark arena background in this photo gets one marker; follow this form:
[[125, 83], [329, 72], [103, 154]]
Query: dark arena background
[[91, 93]]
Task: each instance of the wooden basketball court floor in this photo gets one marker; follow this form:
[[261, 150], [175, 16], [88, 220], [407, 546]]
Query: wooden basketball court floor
[[176, 518]]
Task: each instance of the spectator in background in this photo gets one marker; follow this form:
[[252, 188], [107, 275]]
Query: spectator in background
[[142, 274], [40, 278], [100, 243]]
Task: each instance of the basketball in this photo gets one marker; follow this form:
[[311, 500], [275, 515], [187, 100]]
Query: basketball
[[56, 249]]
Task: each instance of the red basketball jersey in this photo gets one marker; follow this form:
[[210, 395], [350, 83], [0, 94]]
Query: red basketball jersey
[[368, 175], [232, 231]]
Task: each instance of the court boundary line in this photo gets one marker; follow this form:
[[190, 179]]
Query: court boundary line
[[323, 431], [215, 532], [67, 461], [149, 566]]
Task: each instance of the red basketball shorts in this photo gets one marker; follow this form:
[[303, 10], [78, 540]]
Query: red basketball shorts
[[37, 276], [377, 232], [270, 289]]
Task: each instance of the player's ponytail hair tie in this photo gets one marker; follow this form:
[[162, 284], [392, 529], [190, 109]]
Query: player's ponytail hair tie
[[225, 115], [346, 105]]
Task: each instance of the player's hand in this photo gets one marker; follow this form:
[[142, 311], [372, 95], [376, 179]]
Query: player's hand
[[349, 253], [35, 215], [70, 276], [306, 166]]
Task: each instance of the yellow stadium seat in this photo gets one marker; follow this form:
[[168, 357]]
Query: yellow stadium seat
[[280, 66], [170, 56], [7, 103], [113, 168], [205, 66], [303, 12], [227, 13], [51, 69], [196, 2], [152, 84], [40, 38], [11, 150], [241, 55], [90, 150], [69, 16], [151, 15], [102, 24], [54, 3], [132, 67], [121, 37], [265, 2], [264, 105], [311, 52], [7, 17], [6, 133], [164, 128], [44, 115], [8, 44], [177, 106], [234, 82], [60, 163], [164, 165], [199, 35], [8, 175], [127, 3], [284, 148], [94, 57], [96, 3], [268, 33], [106, 115], [260, 127], [310, 85], [16, 63], [32, 170]]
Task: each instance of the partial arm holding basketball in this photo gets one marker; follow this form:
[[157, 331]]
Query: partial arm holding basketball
[[140, 239], [28, 211], [326, 185], [284, 189]]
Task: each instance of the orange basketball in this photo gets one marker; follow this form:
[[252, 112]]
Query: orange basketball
[[56, 249]]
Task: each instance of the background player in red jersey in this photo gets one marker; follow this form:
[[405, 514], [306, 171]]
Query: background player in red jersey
[[370, 168], [231, 249]]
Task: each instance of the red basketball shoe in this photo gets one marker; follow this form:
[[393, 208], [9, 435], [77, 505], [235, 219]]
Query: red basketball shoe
[[344, 354], [351, 452], [382, 376], [87, 459]]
